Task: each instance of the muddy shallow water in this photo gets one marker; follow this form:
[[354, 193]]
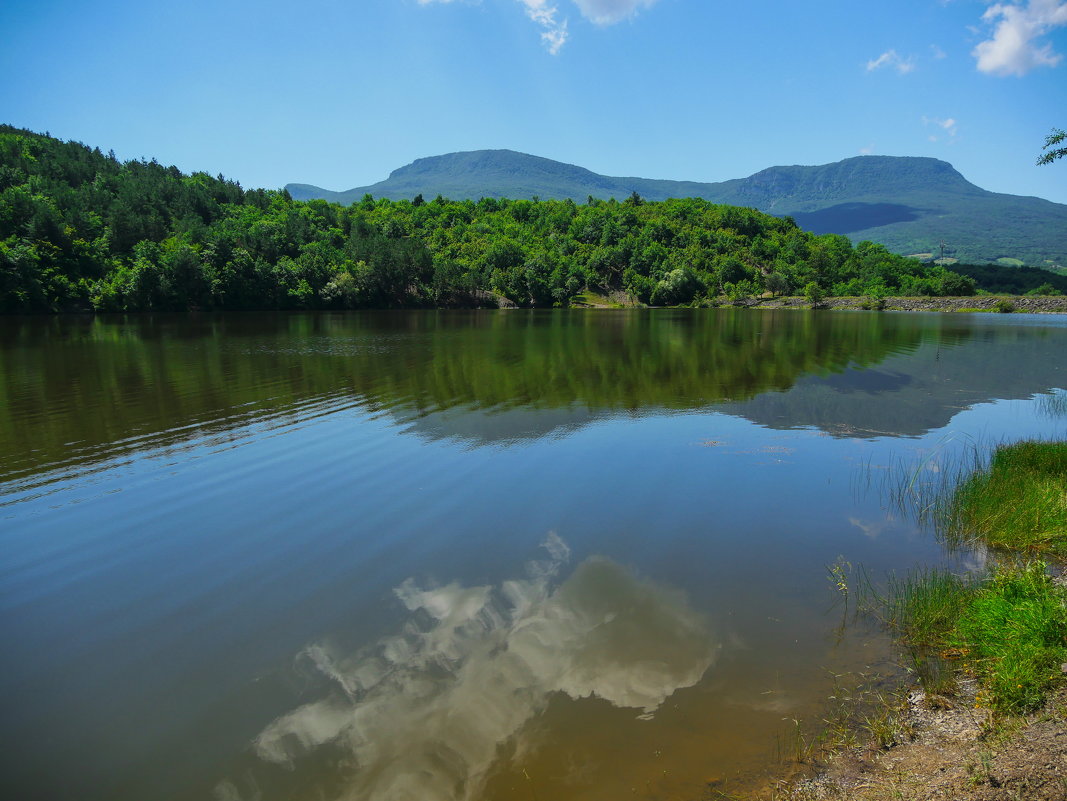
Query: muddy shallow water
[[462, 555]]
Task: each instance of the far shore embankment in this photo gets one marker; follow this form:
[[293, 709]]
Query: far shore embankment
[[1025, 304]]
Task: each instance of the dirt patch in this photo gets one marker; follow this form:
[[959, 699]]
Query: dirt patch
[[950, 750]]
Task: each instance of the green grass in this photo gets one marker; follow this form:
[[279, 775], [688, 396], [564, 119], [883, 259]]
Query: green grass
[[1019, 501], [1009, 630], [922, 609], [1013, 631], [1053, 405], [590, 298]]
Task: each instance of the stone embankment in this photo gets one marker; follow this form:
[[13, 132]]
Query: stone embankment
[[1027, 304]]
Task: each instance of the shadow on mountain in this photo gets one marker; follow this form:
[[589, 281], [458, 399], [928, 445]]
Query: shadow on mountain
[[845, 218]]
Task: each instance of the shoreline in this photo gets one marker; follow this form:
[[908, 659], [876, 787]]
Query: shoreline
[[993, 304], [945, 750], [1023, 304], [987, 719], [973, 304]]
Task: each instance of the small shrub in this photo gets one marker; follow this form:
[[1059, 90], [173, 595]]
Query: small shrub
[[1004, 306], [1045, 289], [874, 303]]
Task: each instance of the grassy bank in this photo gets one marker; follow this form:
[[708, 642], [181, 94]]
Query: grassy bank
[[987, 651], [1008, 628], [1019, 501]]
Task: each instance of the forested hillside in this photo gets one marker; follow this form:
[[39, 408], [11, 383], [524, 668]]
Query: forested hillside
[[909, 204], [80, 230], [1014, 280]]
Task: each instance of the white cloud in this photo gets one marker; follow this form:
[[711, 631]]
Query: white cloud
[[937, 52], [608, 12], [546, 14], [948, 125], [423, 712], [890, 58], [555, 39], [1015, 47]]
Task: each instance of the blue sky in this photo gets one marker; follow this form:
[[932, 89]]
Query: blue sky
[[340, 93]]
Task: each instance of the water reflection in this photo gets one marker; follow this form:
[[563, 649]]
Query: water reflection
[[223, 491], [911, 394], [79, 393], [422, 714], [76, 393]]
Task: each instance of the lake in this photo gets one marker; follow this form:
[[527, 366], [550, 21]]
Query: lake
[[464, 555]]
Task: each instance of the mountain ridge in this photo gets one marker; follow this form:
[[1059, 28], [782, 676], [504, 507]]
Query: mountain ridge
[[908, 203]]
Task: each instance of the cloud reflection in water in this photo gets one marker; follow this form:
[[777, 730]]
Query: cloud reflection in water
[[423, 713]]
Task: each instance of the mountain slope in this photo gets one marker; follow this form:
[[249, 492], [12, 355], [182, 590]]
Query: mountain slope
[[909, 204]]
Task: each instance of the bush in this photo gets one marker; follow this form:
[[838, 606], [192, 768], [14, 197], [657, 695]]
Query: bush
[[1004, 306], [875, 297], [1044, 289]]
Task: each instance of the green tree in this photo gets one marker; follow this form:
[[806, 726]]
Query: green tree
[[814, 294], [778, 284], [80, 230], [1057, 136]]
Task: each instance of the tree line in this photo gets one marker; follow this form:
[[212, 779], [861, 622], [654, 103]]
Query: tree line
[[81, 230]]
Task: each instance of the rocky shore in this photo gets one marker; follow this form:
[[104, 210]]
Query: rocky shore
[[1026, 304]]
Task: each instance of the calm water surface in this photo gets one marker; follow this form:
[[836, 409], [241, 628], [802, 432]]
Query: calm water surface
[[548, 555]]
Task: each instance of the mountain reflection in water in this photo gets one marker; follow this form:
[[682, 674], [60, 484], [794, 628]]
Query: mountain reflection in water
[[422, 714], [77, 395]]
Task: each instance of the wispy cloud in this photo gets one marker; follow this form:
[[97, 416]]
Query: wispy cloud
[[890, 58], [545, 14], [554, 33], [948, 126], [1016, 47], [608, 12]]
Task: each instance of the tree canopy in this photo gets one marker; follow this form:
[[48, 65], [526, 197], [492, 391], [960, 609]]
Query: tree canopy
[[80, 230]]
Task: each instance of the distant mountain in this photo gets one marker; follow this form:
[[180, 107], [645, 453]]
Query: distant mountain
[[910, 204]]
